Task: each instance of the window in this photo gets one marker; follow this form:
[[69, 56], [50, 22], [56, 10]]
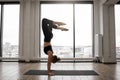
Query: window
[[117, 27], [62, 41], [10, 30], [77, 42], [83, 30]]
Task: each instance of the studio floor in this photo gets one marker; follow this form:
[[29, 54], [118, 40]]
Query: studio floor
[[16, 70]]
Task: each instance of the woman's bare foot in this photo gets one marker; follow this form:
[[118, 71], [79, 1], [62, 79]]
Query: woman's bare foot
[[60, 23], [64, 29]]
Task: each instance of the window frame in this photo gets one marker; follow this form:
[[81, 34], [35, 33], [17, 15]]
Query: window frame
[[118, 58], [2, 3], [74, 2]]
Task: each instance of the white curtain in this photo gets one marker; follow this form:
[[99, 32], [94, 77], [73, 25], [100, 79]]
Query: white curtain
[[29, 30]]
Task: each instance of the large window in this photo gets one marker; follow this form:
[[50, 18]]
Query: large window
[[10, 30], [83, 30], [77, 42], [62, 41], [117, 23]]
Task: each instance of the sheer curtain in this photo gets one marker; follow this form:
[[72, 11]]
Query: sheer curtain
[[29, 30]]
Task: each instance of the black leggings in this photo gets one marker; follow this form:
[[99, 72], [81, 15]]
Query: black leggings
[[47, 26], [48, 48]]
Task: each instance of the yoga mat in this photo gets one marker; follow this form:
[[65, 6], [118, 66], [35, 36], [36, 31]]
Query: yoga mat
[[62, 72]]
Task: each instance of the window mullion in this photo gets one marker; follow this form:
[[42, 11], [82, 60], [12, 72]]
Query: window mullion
[[73, 30]]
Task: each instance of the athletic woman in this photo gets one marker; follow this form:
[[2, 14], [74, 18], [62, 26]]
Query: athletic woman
[[47, 26]]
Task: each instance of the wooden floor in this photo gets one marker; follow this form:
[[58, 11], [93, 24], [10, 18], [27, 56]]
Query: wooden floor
[[16, 70]]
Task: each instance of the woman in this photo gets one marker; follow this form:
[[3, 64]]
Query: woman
[[47, 26]]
